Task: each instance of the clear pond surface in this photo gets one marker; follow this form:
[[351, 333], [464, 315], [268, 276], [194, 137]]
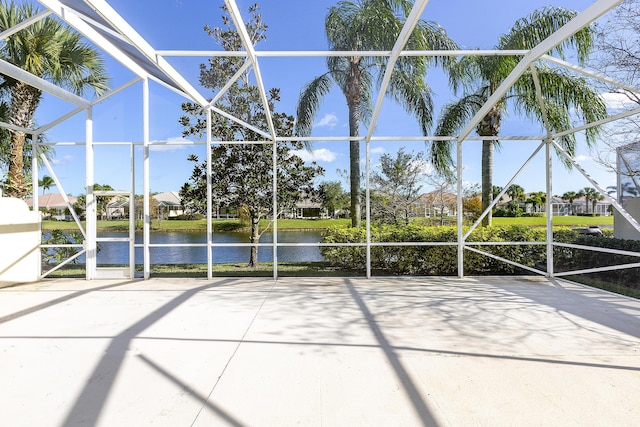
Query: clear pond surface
[[118, 253]]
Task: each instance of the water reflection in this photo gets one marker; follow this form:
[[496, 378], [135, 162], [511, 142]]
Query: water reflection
[[118, 252]]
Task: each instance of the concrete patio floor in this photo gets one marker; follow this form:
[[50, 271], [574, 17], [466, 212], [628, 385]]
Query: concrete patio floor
[[318, 352]]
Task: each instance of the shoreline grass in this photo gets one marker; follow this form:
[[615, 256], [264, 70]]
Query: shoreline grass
[[232, 225]]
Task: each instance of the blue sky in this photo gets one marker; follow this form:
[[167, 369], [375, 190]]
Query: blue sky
[[293, 25]]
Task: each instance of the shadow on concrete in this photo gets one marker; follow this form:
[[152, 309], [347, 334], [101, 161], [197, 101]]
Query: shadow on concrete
[[200, 398], [592, 304], [56, 301], [410, 388], [434, 351], [90, 403]]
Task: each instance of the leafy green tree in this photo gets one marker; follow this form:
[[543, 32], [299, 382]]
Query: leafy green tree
[[242, 174], [102, 201], [56, 255], [564, 94], [47, 49], [496, 189], [372, 25], [333, 197], [397, 186]]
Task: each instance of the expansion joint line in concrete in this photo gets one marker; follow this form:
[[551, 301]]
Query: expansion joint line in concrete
[[235, 350]]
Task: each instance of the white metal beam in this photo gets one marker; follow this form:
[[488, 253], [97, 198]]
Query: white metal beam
[[136, 40], [248, 45], [326, 53], [590, 73], [24, 24], [72, 18], [401, 41], [634, 223], [582, 20], [41, 84]]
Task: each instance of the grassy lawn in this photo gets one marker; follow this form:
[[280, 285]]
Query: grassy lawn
[[311, 224], [264, 269], [568, 221], [199, 225]]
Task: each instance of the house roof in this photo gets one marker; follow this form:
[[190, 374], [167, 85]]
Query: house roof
[[52, 201], [439, 196], [168, 198]]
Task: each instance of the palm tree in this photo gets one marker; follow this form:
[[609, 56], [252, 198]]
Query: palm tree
[[46, 183], [50, 50], [537, 199], [591, 194], [570, 196], [594, 201], [579, 195], [626, 188], [516, 192], [372, 25], [564, 94]]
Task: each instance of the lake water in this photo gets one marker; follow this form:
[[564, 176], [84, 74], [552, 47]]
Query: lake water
[[118, 253]]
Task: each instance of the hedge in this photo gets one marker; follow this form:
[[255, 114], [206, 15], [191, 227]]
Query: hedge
[[442, 260]]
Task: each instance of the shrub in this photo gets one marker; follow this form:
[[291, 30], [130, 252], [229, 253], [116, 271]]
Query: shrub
[[433, 259], [190, 216], [442, 260], [59, 254]]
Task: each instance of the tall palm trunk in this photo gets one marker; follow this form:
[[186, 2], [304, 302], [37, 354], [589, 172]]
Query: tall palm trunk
[[354, 172], [353, 92], [24, 100], [489, 126]]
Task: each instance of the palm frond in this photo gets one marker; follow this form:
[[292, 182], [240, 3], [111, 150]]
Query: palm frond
[[566, 98], [566, 95], [309, 102], [530, 31], [452, 119], [413, 93]]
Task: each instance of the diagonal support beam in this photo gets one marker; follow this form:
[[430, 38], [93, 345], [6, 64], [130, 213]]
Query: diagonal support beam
[[403, 37], [72, 18], [24, 24], [137, 41], [634, 223], [585, 18], [248, 45], [41, 84]]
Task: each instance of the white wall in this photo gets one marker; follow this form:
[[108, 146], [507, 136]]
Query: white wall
[[621, 227], [19, 242]]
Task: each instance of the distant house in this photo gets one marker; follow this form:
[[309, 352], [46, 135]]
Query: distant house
[[169, 204], [435, 204], [561, 207], [307, 207], [53, 206]]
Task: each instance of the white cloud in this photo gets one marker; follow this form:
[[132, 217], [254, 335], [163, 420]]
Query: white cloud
[[582, 158], [172, 144], [617, 101], [377, 150], [425, 168], [321, 155], [64, 160], [329, 120]]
